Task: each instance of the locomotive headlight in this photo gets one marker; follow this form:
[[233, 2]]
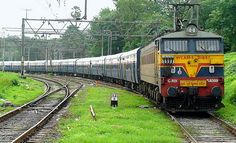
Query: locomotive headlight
[[172, 91], [211, 69], [191, 30], [216, 91], [173, 70]]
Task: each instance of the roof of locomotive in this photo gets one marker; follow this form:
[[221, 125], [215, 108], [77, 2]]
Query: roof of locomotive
[[183, 34]]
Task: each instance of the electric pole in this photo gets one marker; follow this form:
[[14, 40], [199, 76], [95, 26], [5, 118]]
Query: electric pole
[[22, 47], [26, 12], [185, 13]]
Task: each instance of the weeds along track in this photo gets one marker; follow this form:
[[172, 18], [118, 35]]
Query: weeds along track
[[20, 124], [205, 128]]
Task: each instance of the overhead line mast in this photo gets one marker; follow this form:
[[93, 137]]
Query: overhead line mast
[[189, 15], [26, 12]]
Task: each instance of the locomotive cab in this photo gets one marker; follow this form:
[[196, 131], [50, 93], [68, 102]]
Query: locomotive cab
[[191, 66]]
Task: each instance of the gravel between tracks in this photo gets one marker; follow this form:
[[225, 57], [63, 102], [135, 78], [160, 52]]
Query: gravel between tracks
[[204, 129]]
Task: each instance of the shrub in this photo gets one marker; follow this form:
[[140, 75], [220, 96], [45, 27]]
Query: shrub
[[233, 92], [1, 96], [15, 82]]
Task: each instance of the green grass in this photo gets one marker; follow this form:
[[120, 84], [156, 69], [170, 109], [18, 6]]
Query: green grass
[[127, 123], [229, 112], [17, 90]]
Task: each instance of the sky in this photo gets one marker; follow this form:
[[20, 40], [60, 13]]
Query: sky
[[12, 11]]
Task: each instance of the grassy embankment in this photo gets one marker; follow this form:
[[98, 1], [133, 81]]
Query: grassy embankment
[[229, 112], [17, 90], [127, 123]]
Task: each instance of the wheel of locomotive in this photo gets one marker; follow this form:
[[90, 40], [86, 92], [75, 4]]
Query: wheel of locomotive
[[132, 86], [144, 92], [158, 97], [135, 87], [149, 91], [153, 94], [141, 88]]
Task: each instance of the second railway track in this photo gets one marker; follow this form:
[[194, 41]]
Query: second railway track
[[18, 125]]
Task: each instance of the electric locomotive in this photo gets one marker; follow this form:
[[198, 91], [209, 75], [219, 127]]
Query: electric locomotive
[[183, 70]]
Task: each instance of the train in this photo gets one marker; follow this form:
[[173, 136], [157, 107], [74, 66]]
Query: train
[[182, 71]]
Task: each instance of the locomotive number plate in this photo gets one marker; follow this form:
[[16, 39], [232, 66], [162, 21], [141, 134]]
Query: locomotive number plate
[[197, 83]]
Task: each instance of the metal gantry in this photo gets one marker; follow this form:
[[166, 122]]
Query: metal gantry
[[27, 28], [40, 30]]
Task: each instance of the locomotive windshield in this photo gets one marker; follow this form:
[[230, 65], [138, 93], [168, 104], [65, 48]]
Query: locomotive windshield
[[208, 45], [201, 45], [175, 45]]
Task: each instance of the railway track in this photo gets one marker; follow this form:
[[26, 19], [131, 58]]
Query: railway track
[[46, 132], [205, 128], [199, 128], [18, 125]]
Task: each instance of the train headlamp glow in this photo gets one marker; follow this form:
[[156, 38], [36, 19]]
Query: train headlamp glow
[[191, 30]]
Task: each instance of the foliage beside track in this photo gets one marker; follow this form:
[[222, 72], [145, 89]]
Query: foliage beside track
[[17, 90], [229, 112], [127, 123]]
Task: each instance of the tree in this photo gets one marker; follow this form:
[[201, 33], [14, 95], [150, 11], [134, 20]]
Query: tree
[[76, 12], [130, 10], [220, 18], [74, 39]]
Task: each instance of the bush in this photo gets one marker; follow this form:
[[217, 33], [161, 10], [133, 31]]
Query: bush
[[230, 69], [233, 92], [15, 82], [1, 96]]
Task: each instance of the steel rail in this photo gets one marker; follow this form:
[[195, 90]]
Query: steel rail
[[223, 123], [186, 133], [25, 106], [19, 109], [32, 103], [220, 122], [43, 121]]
